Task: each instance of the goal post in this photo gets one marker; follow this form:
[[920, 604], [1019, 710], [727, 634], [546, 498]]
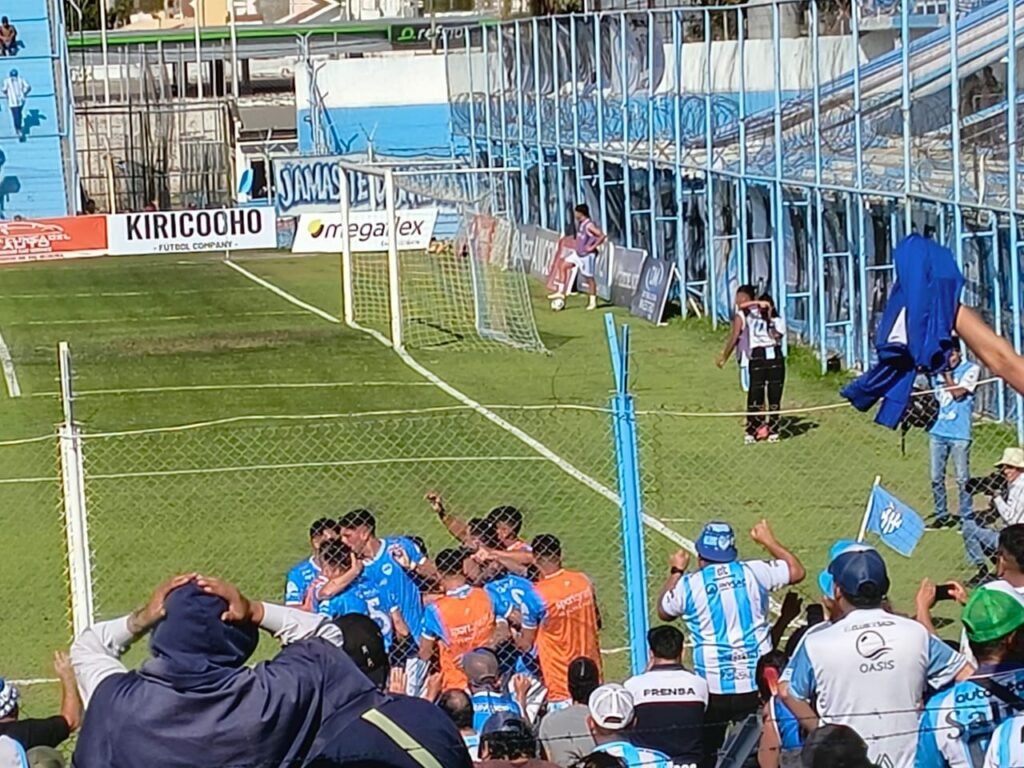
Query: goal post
[[461, 283]]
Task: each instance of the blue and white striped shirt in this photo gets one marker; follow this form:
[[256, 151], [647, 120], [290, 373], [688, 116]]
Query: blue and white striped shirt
[[725, 608], [1007, 747], [635, 757], [16, 88], [958, 723]]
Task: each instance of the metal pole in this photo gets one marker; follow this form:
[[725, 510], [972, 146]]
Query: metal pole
[[234, 48], [1011, 142], [199, 6], [905, 109], [347, 293], [394, 294]]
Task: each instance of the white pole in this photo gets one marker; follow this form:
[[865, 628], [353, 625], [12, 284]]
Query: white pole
[[867, 509], [234, 48], [106, 70], [198, 8], [395, 296], [76, 525], [347, 293]]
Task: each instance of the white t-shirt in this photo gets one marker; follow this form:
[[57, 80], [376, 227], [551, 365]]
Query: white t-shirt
[[725, 607], [869, 672]]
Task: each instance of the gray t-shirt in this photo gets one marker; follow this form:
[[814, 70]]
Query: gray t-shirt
[[565, 735]]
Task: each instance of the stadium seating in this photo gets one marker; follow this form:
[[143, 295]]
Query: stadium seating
[[32, 180]]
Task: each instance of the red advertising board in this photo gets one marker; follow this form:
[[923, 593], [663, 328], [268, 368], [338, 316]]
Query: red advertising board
[[43, 239], [566, 247]]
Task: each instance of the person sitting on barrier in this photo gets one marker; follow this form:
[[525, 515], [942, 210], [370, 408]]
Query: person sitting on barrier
[[8, 38], [48, 731], [982, 542]]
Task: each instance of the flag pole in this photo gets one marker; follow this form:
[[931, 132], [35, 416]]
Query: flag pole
[[867, 509]]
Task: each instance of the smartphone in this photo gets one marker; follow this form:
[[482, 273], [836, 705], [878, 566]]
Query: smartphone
[[815, 614], [943, 592]]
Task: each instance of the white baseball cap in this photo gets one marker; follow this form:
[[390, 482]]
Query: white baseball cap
[[611, 707], [1012, 457]]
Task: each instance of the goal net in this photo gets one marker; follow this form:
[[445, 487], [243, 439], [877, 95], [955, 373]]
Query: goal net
[[461, 285]]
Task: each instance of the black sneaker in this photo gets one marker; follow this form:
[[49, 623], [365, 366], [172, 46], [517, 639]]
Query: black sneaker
[[981, 577], [938, 523]]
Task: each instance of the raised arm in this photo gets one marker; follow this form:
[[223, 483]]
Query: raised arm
[[96, 653], [763, 535], [70, 701], [456, 526], [993, 350], [669, 602]]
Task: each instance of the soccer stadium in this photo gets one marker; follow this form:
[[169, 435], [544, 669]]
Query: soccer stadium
[[488, 357]]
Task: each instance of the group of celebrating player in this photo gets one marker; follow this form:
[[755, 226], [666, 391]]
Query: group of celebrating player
[[492, 590]]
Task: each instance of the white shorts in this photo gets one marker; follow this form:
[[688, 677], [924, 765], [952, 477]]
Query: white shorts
[[585, 264]]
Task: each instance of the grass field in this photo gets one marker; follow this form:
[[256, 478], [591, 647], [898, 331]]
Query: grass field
[[164, 342]]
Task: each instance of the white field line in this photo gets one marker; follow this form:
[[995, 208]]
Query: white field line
[[155, 319], [571, 470], [222, 387], [10, 375], [117, 294], [34, 681]]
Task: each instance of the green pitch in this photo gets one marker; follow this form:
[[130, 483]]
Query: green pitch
[[164, 342]]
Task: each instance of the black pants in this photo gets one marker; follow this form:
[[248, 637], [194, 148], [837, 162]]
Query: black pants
[[767, 378], [724, 710]]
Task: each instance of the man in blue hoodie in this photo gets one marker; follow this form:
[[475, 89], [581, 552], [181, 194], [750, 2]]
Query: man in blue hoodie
[[195, 703]]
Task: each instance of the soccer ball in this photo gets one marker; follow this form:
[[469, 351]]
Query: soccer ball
[[557, 305]]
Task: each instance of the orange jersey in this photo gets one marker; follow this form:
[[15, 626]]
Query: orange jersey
[[461, 621], [566, 629]]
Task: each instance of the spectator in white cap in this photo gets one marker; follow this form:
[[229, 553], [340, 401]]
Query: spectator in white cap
[[725, 606], [981, 542], [44, 731], [611, 716]]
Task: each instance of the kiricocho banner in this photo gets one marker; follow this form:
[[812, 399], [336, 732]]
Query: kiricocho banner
[[223, 229]]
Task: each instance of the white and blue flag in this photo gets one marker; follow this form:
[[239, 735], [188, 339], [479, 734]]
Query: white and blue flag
[[897, 525]]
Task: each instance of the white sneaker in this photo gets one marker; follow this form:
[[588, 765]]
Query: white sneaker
[[592, 304], [773, 438], [749, 439]]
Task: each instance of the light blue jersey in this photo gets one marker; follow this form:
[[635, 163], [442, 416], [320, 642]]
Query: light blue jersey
[[487, 703], [300, 578], [385, 585], [347, 601], [511, 593], [958, 723], [1007, 747], [635, 757], [725, 607], [954, 418]]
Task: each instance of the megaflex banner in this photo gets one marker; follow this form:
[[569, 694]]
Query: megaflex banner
[[44, 239], [224, 229], [367, 231]]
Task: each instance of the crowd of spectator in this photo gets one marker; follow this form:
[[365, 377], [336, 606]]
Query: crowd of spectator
[[488, 654]]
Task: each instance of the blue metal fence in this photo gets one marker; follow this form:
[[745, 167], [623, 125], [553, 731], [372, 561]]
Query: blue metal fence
[[798, 161]]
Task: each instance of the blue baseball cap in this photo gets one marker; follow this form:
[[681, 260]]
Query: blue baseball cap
[[825, 582], [860, 574], [717, 543]]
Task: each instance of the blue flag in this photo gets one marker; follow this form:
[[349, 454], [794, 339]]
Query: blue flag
[[898, 526]]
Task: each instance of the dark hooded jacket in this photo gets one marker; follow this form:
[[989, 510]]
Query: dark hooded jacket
[[196, 704]]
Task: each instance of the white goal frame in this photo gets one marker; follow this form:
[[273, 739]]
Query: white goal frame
[[389, 174]]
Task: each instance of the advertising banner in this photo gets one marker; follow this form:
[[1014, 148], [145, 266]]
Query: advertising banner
[[652, 293], [603, 271], [235, 229], [368, 231], [536, 248], [627, 266], [307, 184], [44, 239]]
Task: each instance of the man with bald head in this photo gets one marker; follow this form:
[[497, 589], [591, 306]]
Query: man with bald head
[[487, 689]]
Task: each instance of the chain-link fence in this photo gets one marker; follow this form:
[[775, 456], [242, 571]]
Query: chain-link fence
[[35, 618], [812, 485], [236, 497]]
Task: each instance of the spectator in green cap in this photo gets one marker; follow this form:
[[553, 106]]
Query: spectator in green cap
[[957, 723]]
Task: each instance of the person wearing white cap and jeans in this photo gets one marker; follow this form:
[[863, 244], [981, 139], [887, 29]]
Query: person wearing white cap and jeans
[[611, 715], [725, 606], [982, 542]]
